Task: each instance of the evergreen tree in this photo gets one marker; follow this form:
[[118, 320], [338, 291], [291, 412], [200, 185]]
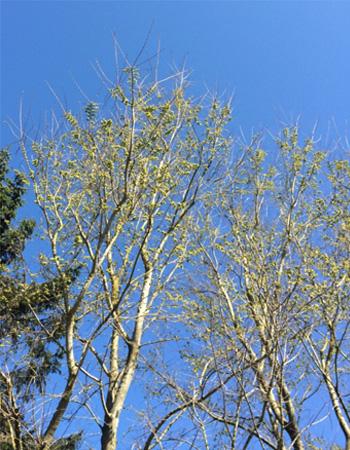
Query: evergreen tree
[[20, 328]]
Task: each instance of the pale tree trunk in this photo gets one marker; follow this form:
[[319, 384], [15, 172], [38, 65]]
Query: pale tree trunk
[[65, 397], [109, 429], [121, 379], [73, 366], [337, 406], [291, 425], [59, 412]]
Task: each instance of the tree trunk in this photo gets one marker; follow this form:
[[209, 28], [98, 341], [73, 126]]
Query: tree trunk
[[119, 385]]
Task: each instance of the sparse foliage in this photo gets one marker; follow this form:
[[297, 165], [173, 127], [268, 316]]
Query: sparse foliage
[[202, 284], [267, 301]]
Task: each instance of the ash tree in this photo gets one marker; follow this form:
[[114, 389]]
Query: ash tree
[[202, 284], [117, 190], [267, 302]]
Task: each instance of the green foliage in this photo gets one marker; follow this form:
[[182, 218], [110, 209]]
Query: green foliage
[[272, 283], [149, 191], [12, 239], [91, 111], [117, 189], [20, 329], [69, 443]]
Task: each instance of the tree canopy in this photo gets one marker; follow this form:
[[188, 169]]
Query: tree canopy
[[191, 283]]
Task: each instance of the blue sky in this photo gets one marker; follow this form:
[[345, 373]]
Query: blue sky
[[281, 59]]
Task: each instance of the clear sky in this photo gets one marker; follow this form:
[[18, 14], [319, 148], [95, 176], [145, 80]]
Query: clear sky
[[281, 59]]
